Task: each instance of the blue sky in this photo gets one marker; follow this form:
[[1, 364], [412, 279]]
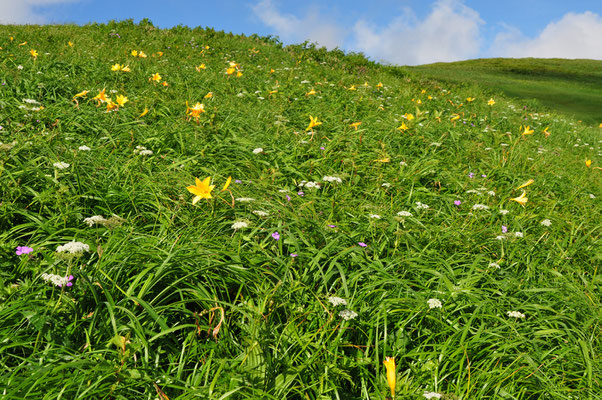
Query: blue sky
[[394, 31]]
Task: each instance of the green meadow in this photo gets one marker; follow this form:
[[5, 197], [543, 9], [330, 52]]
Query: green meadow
[[571, 87], [190, 214]]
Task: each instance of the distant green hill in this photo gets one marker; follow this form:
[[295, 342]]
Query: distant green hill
[[572, 87]]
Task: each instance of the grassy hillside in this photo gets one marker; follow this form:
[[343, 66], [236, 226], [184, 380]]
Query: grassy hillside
[[260, 222], [572, 87]]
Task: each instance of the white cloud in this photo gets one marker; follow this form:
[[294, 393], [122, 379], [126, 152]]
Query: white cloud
[[313, 27], [449, 33], [24, 11], [573, 36]]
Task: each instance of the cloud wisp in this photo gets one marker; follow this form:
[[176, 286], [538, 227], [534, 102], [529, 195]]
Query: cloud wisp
[[24, 11], [573, 36]]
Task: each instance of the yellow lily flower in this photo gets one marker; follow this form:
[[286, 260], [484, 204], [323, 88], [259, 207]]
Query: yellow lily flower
[[100, 97], [403, 127], [391, 377], [546, 132], [311, 92], [409, 116], [143, 113], [312, 122], [33, 53], [70, 43], [527, 131], [141, 54], [156, 77], [200, 67], [470, 99], [227, 183], [202, 190], [208, 95], [126, 68], [81, 94], [491, 102], [195, 111], [522, 199], [530, 181], [111, 106], [379, 85], [588, 163], [134, 53], [455, 117], [121, 100], [116, 67], [355, 125]]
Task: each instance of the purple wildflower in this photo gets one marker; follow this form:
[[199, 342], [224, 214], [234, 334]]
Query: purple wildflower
[[322, 148], [276, 235], [288, 197], [23, 250], [332, 226], [471, 175], [457, 202], [362, 244], [238, 181], [301, 194], [504, 229], [294, 255], [483, 176]]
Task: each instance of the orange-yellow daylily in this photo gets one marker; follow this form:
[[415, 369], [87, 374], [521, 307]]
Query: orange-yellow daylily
[[522, 199], [391, 377], [455, 117], [527, 131], [141, 54], [491, 102], [379, 85], [403, 127], [195, 111], [159, 54], [352, 87], [121, 100], [470, 99], [115, 67], [588, 163], [81, 94], [70, 43], [355, 125], [312, 122], [111, 106], [546, 132], [33, 53], [200, 67], [530, 181], [164, 83], [208, 95], [134, 53], [202, 190], [311, 92], [143, 113], [409, 116], [238, 74], [101, 97], [156, 77]]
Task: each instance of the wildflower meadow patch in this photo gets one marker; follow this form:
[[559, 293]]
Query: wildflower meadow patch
[[192, 214]]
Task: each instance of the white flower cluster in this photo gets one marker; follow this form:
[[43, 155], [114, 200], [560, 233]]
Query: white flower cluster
[[434, 303], [494, 265], [374, 216], [258, 150], [337, 301], [61, 165], [546, 222], [504, 212], [84, 148], [515, 314], [309, 185], [480, 207], [347, 314], [57, 280], [422, 206], [143, 151], [239, 225], [245, 199], [432, 395], [260, 213], [332, 179], [404, 214], [95, 220], [73, 248]]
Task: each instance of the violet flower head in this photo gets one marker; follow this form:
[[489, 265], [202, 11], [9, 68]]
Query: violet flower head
[[362, 244], [457, 202], [23, 250], [471, 175], [504, 229], [276, 235]]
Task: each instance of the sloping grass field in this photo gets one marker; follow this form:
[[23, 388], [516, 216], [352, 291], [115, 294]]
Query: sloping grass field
[[571, 87], [192, 214]]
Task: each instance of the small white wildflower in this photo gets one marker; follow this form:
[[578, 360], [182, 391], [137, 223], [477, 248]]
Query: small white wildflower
[[480, 207], [95, 220], [258, 150], [504, 212], [504, 144], [245, 199], [386, 184], [434, 303], [73, 248], [515, 314], [57, 280], [61, 165], [337, 301], [404, 214], [591, 196], [403, 163], [239, 225], [19, 67], [546, 222], [436, 144], [145, 152], [422, 206], [432, 395], [241, 94], [518, 234], [332, 179], [500, 237], [347, 314], [260, 213], [472, 191], [309, 185], [491, 193], [374, 216], [84, 148], [30, 101], [494, 265]]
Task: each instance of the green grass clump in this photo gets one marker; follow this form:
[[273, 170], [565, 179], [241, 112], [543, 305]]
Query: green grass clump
[[330, 250], [571, 87]]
